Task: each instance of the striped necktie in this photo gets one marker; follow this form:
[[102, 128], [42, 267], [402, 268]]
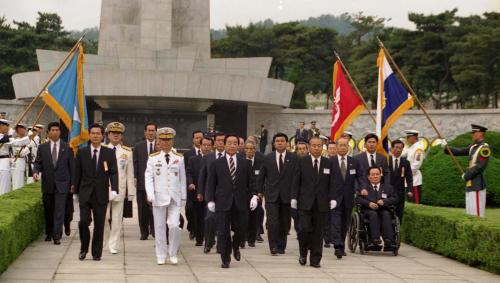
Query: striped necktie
[[232, 169]]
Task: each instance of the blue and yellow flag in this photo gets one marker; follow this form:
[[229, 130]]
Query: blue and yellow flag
[[392, 101], [66, 98]]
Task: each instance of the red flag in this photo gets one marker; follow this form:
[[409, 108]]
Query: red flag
[[347, 105]]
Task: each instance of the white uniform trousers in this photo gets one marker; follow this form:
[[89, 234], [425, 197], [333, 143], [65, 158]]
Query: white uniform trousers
[[116, 208], [18, 178], [5, 181], [475, 203], [167, 215]]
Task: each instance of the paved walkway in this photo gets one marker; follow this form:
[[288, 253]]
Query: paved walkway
[[45, 262]]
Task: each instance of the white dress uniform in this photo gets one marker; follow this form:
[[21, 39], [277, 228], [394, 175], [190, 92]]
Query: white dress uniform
[[33, 147], [18, 164], [166, 189], [126, 184], [5, 150], [415, 154]]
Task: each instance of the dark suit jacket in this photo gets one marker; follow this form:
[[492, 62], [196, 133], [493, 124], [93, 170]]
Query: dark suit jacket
[[58, 179], [385, 192], [304, 136], [344, 190], [381, 162], [140, 156], [206, 162], [307, 188], [257, 164], [87, 179], [273, 184], [192, 175], [220, 187], [187, 156], [399, 176]]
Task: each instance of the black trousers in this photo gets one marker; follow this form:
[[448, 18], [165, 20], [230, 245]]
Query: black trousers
[[260, 219], [189, 211], [92, 210], [312, 228], [340, 221], [54, 206], [295, 216], [227, 221], [379, 220], [253, 223], [278, 224], [209, 229], [400, 206], [328, 237], [70, 209], [145, 214]]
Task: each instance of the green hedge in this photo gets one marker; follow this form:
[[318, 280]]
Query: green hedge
[[442, 184], [452, 233], [21, 222]]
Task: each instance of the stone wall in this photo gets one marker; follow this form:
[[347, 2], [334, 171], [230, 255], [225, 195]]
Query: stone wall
[[15, 107]]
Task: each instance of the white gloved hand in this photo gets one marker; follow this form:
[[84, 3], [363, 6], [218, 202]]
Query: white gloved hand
[[151, 198], [333, 204], [211, 206], [444, 143], [463, 176], [75, 198], [254, 202], [293, 203], [113, 195], [131, 198], [183, 202]]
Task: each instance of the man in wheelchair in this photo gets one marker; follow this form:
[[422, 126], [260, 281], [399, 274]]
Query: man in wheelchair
[[376, 209]]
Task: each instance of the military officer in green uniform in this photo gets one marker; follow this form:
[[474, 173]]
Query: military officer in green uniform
[[475, 188]]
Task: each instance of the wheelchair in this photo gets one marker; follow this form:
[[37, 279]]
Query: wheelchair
[[358, 233]]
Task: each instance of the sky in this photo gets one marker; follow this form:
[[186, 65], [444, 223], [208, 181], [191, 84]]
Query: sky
[[80, 14]]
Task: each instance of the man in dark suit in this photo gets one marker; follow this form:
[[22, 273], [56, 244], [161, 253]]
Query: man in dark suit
[[263, 138], [196, 136], [371, 158], [95, 172], [346, 173], [206, 163], [375, 208], [141, 152], [401, 176], [230, 181], [192, 175], [253, 215], [313, 196], [274, 183], [301, 134], [54, 162]]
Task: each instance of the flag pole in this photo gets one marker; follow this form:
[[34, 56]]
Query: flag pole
[[355, 86], [39, 115], [73, 49], [414, 95]]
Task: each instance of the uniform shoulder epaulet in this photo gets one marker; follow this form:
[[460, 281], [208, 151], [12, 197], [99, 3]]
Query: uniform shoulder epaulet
[[154, 154], [178, 154], [485, 152], [126, 148]]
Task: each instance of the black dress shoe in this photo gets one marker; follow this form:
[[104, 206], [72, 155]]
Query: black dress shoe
[[327, 245], [302, 260], [57, 242], [260, 239], [237, 255], [339, 253], [191, 236], [225, 265], [96, 258], [207, 249], [67, 230], [343, 253], [82, 256], [315, 265], [144, 237], [274, 252], [252, 245], [199, 244], [281, 252], [48, 238]]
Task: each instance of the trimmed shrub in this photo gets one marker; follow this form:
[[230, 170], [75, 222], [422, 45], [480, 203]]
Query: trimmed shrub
[[443, 185], [452, 233], [21, 222]]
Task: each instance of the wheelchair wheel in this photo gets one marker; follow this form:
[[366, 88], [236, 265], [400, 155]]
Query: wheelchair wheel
[[397, 235], [353, 233]]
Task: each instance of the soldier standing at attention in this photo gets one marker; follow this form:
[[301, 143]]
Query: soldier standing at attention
[[415, 154], [475, 181], [6, 144], [18, 159]]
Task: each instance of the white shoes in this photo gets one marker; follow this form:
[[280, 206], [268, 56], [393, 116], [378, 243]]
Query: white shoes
[[173, 260], [113, 251], [160, 261]]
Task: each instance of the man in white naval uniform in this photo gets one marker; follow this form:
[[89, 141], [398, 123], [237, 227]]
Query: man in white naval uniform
[[18, 159], [6, 144], [415, 153], [165, 182], [126, 183]]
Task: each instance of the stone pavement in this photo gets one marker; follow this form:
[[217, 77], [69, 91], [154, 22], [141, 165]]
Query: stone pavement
[[45, 262]]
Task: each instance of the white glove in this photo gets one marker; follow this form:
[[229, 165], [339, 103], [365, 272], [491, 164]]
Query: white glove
[[113, 195], [463, 176], [211, 206], [293, 203], [253, 203], [444, 143], [75, 198], [183, 202], [130, 198], [333, 204], [151, 198]]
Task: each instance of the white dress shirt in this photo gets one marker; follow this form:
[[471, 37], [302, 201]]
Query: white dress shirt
[[228, 157], [92, 152], [394, 162], [340, 160], [221, 152], [149, 145], [58, 146], [283, 154], [370, 158], [319, 161]]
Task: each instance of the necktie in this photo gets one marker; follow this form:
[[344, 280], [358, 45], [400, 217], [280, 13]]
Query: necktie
[[375, 188], [167, 157], [316, 169], [94, 160], [54, 155], [232, 169], [396, 165], [150, 147], [199, 152], [280, 164], [343, 168], [219, 155], [372, 160], [114, 148]]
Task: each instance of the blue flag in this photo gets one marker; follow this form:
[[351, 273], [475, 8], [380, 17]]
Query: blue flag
[[66, 98]]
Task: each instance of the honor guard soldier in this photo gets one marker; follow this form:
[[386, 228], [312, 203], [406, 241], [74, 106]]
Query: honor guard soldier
[[165, 181], [352, 142], [126, 183], [6, 146], [415, 153], [313, 131], [475, 182], [18, 159]]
